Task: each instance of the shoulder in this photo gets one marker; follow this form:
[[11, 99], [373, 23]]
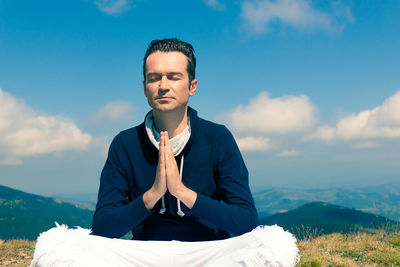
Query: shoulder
[[215, 136], [208, 128]]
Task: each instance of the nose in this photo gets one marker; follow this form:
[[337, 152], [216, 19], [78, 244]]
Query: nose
[[164, 83]]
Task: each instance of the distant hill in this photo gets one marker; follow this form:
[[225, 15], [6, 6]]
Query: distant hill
[[324, 218], [87, 200], [24, 215], [382, 200]]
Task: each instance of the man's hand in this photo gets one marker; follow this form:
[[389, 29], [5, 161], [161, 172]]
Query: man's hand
[[174, 183], [159, 187], [167, 177]]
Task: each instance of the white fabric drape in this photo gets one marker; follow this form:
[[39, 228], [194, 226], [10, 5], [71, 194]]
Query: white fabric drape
[[264, 246]]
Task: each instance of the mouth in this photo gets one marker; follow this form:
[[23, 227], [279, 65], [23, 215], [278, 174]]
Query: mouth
[[164, 98]]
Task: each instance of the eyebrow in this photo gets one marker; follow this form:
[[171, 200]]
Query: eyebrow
[[168, 73]]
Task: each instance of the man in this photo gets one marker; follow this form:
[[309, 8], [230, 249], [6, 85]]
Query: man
[[142, 188]]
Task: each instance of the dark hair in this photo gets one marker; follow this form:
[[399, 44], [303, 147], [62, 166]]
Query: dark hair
[[173, 45]]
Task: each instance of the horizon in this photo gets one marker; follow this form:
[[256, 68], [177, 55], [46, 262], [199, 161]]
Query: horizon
[[76, 196], [310, 90]]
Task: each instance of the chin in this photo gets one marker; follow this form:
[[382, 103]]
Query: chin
[[164, 107], [167, 107]]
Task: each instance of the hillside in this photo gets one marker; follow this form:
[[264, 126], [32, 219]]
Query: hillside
[[87, 200], [382, 200], [24, 215], [323, 218]]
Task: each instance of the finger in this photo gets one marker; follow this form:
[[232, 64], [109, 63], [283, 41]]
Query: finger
[[162, 149], [169, 154], [160, 146], [168, 147]]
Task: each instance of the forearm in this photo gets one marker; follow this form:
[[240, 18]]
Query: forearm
[[150, 198], [233, 218], [114, 222]]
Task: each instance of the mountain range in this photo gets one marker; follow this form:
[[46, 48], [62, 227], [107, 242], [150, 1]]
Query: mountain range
[[24, 215], [383, 200]]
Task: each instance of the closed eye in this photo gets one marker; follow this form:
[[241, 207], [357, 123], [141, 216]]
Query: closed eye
[[174, 77], [153, 78]]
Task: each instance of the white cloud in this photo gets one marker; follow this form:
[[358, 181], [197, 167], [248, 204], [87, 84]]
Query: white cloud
[[23, 132], [366, 145], [289, 153], [265, 115], [251, 143], [299, 14], [114, 111], [379, 122], [324, 133], [215, 4], [112, 7]]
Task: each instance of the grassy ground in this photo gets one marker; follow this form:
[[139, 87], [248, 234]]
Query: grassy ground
[[16, 252], [359, 249]]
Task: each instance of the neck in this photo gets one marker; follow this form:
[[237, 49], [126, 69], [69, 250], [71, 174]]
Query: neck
[[174, 122]]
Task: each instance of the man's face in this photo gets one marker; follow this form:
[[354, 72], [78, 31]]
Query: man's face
[[167, 85]]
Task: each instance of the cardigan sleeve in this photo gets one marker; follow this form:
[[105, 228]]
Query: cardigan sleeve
[[236, 212], [115, 215]]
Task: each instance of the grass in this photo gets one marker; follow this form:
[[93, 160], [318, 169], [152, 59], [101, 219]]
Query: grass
[[357, 249], [16, 253]]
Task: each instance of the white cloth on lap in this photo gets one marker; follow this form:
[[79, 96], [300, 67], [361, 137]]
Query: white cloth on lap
[[264, 246]]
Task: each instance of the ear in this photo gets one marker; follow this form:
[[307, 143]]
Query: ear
[[193, 87], [144, 88]]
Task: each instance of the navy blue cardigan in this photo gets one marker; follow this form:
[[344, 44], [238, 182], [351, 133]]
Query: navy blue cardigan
[[213, 167]]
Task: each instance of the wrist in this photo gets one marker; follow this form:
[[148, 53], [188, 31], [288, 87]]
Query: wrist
[[156, 193], [178, 190], [150, 198], [186, 195]]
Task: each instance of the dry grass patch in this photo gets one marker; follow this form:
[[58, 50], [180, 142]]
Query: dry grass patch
[[16, 253], [360, 249]]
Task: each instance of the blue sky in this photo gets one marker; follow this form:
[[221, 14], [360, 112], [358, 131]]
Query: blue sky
[[310, 89]]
